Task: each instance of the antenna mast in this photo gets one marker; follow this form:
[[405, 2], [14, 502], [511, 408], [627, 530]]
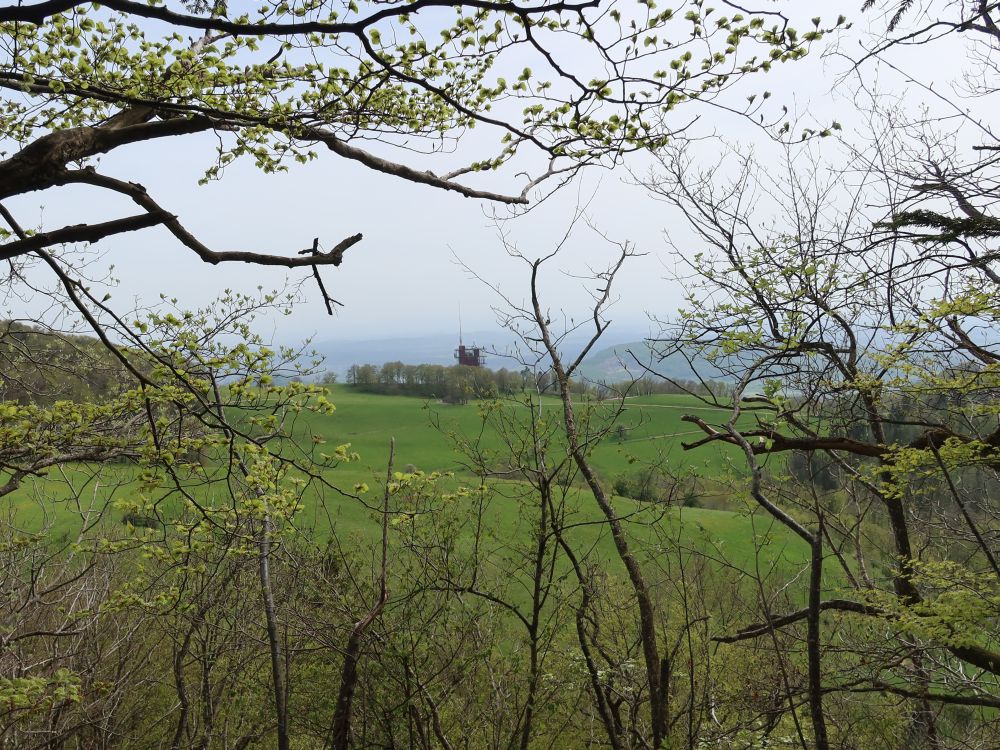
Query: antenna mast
[[469, 356]]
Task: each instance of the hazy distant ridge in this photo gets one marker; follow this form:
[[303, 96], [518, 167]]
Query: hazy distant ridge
[[614, 363], [625, 362]]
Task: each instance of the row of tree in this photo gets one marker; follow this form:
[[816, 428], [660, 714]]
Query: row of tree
[[459, 383], [454, 384]]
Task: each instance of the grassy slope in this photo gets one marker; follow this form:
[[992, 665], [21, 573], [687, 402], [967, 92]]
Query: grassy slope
[[655, 432], [368, 421]]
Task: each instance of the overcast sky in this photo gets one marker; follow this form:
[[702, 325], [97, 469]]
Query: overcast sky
[[403, 278]]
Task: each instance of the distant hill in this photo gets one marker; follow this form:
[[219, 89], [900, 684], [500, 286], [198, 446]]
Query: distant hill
[[41, 366], [623, 362], [612, 363], [438, 349]]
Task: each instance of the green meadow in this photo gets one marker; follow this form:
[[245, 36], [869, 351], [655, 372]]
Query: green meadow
[[421, 428], [425, 433]]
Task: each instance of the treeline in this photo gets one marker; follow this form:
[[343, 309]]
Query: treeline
[[460, 383], [454, 384]]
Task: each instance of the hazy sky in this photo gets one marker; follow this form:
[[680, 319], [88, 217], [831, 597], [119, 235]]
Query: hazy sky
[[403, 278]]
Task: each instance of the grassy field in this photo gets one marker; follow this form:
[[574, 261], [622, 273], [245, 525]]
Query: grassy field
[[425, 433], [654, 433]]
